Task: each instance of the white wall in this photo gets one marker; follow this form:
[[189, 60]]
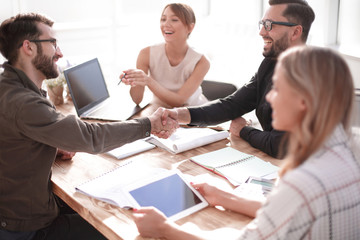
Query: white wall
[[116, 30], [354, 64]]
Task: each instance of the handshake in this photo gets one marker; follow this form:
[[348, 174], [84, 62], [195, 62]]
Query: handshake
[[164, 122]]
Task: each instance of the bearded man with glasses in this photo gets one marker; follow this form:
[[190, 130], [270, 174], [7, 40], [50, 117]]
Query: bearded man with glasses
[[285, 24], [33, 134]]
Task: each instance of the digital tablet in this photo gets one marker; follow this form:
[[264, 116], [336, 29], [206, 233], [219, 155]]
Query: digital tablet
[[169, 192]]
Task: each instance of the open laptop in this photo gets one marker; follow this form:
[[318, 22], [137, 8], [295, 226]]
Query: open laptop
[[91, 97]]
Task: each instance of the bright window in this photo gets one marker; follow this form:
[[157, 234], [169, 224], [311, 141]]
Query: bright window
[[349, 31], [226, 31]]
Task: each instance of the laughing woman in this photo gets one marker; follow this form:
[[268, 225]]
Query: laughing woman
[[317, 196], [173, 71]]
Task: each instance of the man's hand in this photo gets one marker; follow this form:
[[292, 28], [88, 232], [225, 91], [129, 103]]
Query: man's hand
[[238, 124], [181, 115], [65, 155], [169, 113], [160, 128]]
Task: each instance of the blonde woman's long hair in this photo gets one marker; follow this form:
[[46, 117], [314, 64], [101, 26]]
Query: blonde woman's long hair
[[322, 76]]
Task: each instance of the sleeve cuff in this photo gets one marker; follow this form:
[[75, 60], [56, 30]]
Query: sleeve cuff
[[245, 132], [146, 126]]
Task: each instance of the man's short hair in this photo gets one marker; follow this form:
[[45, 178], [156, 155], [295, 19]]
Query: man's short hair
[[15, 30], [297, 11]]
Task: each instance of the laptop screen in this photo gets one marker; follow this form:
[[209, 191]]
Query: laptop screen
[[86, 84]]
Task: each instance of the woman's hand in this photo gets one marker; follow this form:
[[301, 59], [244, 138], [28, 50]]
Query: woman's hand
[[135, 77], [228, 200], [150, 222], [209, 192]]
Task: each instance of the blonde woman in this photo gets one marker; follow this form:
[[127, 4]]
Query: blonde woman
[[317, 196], [173, 71]]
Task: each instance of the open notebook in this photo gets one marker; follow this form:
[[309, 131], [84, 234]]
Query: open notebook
[[234, 165], [91, 97]]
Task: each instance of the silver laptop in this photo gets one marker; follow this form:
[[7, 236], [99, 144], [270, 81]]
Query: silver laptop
[[91, 97]]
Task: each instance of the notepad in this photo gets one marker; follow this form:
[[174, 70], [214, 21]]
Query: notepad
[[188, 138], [234, 165], [130, 149]]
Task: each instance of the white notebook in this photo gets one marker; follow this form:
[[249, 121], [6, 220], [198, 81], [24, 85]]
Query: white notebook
[[130, 149], [234, 165]]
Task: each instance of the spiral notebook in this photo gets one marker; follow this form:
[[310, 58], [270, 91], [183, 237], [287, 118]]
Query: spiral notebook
[[234, 165]]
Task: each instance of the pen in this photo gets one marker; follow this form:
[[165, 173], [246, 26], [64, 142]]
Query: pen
[[128, 208], [121, 78]]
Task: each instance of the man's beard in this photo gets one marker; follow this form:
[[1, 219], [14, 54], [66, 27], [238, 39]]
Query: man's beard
[[277, 47], [45, 64]]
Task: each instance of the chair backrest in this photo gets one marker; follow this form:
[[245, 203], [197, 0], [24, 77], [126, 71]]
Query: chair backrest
[[357, 108], [214, 90]]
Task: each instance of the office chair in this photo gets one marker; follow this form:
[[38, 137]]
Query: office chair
[[213, 89], [357, 108]]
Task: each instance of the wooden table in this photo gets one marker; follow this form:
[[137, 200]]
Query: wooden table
[[116, 223]]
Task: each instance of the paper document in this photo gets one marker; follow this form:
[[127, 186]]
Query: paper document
[[188, 138]]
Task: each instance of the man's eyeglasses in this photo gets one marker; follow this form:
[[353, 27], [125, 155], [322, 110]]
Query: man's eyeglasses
[[268, 24], [52, 40]]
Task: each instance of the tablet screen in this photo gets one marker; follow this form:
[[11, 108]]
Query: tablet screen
[[171, 195]]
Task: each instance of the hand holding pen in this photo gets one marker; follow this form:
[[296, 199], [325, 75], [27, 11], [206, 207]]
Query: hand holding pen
[[122, 78], [135, 77]]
